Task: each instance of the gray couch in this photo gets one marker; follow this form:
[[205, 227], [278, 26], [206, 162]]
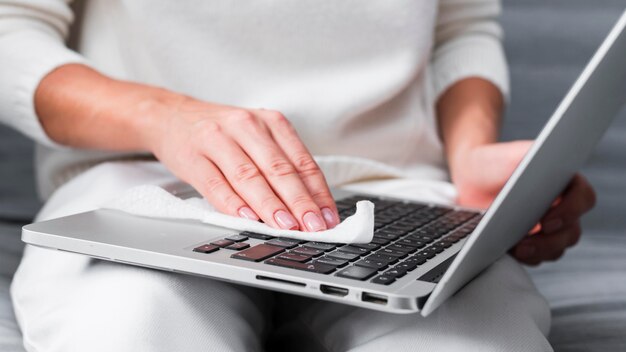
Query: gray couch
[[547, 42]]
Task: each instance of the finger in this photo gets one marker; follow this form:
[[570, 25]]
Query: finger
[[209, 181], [541, 247], [311, 175], [281, 174], [245, 178], [577, 199]]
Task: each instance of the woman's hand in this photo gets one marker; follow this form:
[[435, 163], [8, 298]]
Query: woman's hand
[[481, 172], [247, 163]]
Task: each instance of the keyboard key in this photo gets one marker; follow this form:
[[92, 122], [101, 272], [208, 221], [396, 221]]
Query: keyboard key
[[238, 246], [321, 246], [343, 255], [410, 266], [258, 236], [258, 252], [372, 264], [382, 257], [281, 243], [402, 248], [357, 272], [380, 241], [354, 249], [392, 252], [383, 279], [312, 267], [206, 248], [222, 243], [332, 261], [237, 238], [369, 246], [294, 256], [397, 273], [312, 252]]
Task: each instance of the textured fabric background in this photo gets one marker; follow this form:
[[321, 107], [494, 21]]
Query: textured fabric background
[[547, 43]]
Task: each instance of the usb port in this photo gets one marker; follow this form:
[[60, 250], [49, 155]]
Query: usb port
[[334, 291], [374, 298]]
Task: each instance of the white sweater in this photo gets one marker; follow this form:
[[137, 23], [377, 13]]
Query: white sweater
[[355, 77]]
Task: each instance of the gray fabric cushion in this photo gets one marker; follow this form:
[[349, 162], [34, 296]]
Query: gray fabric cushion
[[10, 253], [548, 44]]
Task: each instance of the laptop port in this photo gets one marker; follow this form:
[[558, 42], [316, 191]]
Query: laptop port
[[374, 298], [334, 291]]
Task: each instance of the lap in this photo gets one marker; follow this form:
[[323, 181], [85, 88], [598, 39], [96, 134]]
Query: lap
[[75, 304], [498, 311], [69, 302]]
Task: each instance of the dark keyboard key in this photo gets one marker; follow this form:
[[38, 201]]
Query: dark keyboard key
[[391, 252], [237, 238], [380, 241], [382, 257], [332, 261], [410, 266], [206, 248], [222, 243], [238, 246], [402, 248], [412, 242], [354, 249], [357, 272], [369, 246], [312, 267], [321, 246], [343, 255], [294, 256], [258, 236], [383, 279], [395, 272], [258, 253], [312, 252], [281, 243], [372, 263], [419, 258]]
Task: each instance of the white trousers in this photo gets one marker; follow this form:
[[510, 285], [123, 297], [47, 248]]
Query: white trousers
[[67, 302]]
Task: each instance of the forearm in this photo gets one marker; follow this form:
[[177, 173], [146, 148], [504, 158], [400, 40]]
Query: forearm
[[82, 108], [469, 115]]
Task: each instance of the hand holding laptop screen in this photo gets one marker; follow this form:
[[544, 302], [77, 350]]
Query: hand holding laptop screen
[[487, 168]]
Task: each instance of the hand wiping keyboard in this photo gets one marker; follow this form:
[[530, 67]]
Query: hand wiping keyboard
[[154, 201]]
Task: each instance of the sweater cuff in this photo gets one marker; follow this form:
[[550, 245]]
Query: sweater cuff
[[472, 56], [27, 57]]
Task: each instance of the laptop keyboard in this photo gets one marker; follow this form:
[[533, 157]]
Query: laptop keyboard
[[406, 235]]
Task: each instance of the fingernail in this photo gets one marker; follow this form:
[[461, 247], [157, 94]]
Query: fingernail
[[526, 251], [313, 222], [247, 213], [552, 225], [329, 217], [285, 220]]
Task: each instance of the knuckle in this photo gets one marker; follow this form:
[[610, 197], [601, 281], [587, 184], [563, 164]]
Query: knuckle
[[306, 165], [213, 183], [242, 116], [232, 201], [301, 201], [205, 130], [280, 167], [246, 172], [268, 203]]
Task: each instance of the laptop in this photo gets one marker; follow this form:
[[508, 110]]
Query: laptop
[[421, 253]]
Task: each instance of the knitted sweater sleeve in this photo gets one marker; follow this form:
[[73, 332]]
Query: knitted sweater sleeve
[[468, 43], [32, 34]]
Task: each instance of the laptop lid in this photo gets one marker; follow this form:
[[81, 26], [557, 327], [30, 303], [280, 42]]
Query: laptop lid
[[561, 148]]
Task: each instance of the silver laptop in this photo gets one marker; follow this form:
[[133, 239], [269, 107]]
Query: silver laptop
[[421, 254]]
